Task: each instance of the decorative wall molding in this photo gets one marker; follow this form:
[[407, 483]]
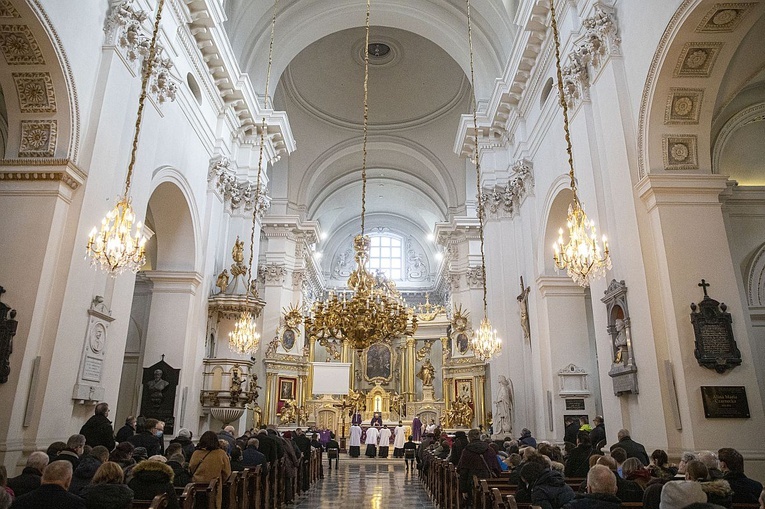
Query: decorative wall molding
[[504, 200], [38, 138], [273, 273], [680, 152], [35, 91], [19, 47], [237, 194], [474, 276]]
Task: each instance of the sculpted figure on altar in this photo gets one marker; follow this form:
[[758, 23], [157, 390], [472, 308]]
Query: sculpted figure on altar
[[426, 373], [289, 412]]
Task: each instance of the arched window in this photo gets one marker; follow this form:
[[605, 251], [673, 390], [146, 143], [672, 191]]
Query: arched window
[[387, 256]]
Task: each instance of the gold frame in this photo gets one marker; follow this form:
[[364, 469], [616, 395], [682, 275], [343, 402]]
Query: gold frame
[[393, 358]]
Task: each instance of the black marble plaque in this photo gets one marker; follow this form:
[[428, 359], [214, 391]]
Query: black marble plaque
[[725, 402], [574, 404], [713, 329], [158, 399]]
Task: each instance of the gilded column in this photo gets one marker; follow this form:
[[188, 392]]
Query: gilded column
[[311, 358], [269, 398], [480, 405], [445, 382], [402, 371], [410, 344], [302, 390]]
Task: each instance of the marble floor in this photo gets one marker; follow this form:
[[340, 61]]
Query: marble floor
[[366, 483]]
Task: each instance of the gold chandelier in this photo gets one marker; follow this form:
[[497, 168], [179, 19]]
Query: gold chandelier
[[245, 338], [117, 247], [581, 256], [375, 311], [485, 342]]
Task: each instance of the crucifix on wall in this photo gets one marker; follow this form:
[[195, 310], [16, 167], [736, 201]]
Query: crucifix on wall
[[523, 306]]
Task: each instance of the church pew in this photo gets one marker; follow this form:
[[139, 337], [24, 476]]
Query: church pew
[[187, 498], [159, 502], [230, 488], [206, 494]]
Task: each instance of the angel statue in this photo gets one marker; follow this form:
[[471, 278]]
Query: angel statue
[[503, 418]]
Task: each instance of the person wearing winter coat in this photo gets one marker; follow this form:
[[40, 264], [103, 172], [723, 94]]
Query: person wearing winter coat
[[459, 444], [718, 490], [152, 478], [181, 474], [126, 431], [745, 490], [601, 491], [477, 459], [577, 463], [31, 476], [632, 448], [87, 468], [548, 487], [526, 439], [184, 438], [107, 490], [210, 462], [98, 429]]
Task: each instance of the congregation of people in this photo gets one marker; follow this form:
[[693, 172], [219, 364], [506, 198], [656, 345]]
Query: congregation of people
[[585, 474], [98, 469]]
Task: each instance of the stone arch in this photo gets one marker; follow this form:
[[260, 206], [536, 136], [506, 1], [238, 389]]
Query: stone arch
[[175, 221], [755, 279], [40, 96], [555, 210], [685, 75], [730, 138]]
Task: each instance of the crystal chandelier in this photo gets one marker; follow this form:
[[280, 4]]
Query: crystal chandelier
[[245, 338], [375, 311], [581, 256], [485, 342], [116, 247]]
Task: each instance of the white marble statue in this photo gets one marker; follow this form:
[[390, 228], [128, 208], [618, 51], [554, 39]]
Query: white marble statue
[[503, 417]]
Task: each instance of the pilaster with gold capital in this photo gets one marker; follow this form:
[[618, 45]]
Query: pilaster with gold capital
[[311, 358], [445, 381], [480, 405], [302, 390], [269, 398], [410, 344]]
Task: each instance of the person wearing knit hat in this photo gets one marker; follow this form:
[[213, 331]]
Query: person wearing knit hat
[[184, 439], [678, 494]]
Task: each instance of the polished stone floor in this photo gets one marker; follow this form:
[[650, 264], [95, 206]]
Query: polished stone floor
[[366, 483]]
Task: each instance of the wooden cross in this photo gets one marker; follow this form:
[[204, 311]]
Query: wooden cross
[[704, 285]]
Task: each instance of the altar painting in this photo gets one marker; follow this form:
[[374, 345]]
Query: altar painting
[[378, 361], [463, 389], [287, 387]]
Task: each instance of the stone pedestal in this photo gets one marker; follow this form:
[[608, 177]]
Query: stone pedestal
[[428, 394]]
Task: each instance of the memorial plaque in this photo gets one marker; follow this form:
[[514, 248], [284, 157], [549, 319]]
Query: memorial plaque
[[725, 402], [158, 398], [574, 404], [713, 329], [92, 369]]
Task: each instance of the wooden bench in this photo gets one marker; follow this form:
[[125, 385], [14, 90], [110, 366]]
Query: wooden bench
[[159, 502]]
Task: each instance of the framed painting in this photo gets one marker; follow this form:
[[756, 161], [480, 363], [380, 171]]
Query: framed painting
[[288, 339], [378, 361], [462, 343], [463, 388], [287, 389]]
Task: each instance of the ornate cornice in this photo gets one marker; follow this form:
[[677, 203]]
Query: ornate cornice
[[38, 170], [474, 276], [238, 194], [504, 200], [272, 274]]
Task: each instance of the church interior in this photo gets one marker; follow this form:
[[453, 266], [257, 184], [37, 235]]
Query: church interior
[[490, 214]]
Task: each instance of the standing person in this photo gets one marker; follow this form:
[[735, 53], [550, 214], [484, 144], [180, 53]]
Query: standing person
[[572, 428], [431, 428], [632, 448], [372, 435], [31, 476], [53, 490], [410, 451], [184, 440], [354, 442], [126, 431], [98, 429], [477, 459], [384, 441], [210, 462], [108, 490], [577, 463], [227, 434], [598, 433], [416, 429], [145, 437], [459, 444], [399, 438]]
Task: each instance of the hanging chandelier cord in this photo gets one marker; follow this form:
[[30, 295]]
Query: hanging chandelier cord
[[142, 100], [263, 127], [477, 162], [562, 98], [366, 124]]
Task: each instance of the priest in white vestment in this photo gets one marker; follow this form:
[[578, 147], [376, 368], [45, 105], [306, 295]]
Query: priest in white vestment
[[399, 437], [354, 442], [384, 441], [372, 435]]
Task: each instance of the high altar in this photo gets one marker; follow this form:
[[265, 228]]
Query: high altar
[[432, 375]]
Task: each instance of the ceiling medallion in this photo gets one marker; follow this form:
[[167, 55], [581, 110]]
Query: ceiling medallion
[[378, 50]]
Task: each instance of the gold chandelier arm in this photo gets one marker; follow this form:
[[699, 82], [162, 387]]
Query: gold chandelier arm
[[477, 163], [142, 100], [256, 200], [562, 98], [366, 123]]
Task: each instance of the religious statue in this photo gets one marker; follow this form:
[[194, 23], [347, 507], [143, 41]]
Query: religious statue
[[503, 418], [222, 281], [236, 385], [460, 415], [426, 373], [289, 412], [252, 392], [396, 402], [238, 252], [155, 387], [302, 415], [620, 339], [523, 305], [356, 400]]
